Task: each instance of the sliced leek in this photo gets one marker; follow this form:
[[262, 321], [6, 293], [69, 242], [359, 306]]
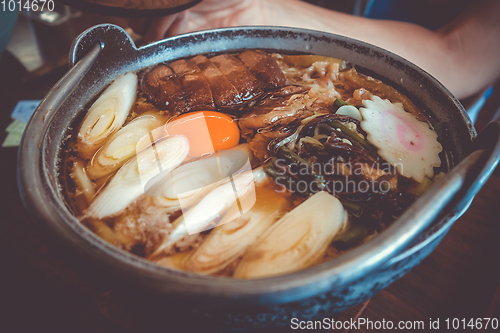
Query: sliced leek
[[349, 110], [123, 145], [108, 113], [298, 240], [211, 209], [186, 185], [83, 183], [227, 243], [135, 175]]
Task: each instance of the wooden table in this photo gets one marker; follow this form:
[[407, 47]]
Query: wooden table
[[41, 290]]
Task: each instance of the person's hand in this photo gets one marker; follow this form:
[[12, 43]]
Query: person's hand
[[208, 14]]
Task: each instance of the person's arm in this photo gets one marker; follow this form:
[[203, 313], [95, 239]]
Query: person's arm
[[464, 55]]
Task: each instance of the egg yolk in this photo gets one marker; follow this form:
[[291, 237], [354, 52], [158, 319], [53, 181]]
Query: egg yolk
[[207, 131]]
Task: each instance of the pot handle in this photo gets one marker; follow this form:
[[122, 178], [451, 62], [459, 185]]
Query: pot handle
[[85, 52], [115, 43], [489, 141], [457, 189], [33, 137], [476, 168]]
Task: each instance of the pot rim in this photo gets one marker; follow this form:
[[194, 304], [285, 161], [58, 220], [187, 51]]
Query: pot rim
[[35, 183]]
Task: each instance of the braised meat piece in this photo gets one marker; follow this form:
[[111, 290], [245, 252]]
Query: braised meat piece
[[224, 93], [280, 107], [264, 68], [197, 93], [164, 89], [245, 83], [226, 82]]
